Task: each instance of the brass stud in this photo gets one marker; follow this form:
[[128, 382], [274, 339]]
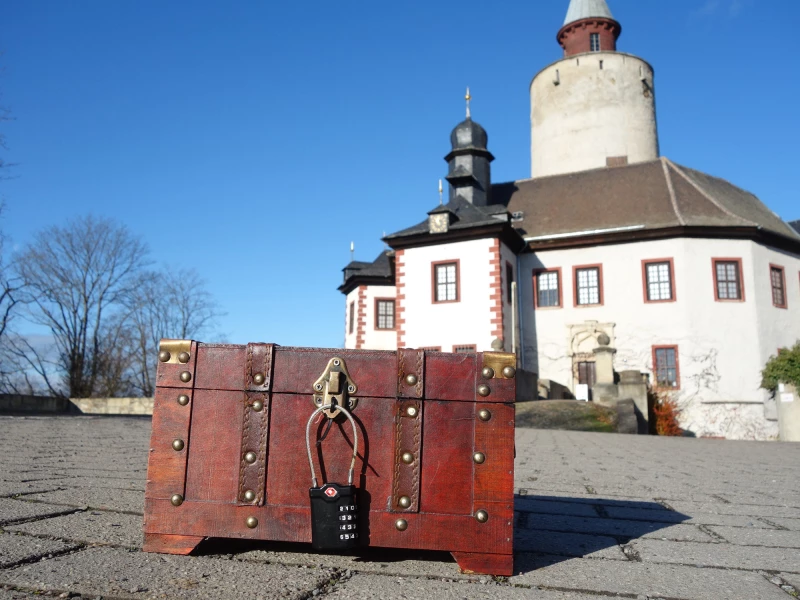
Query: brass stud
[[482, 516], [411, 379], [412, 411], [404, 501], [164, 356], [487, 372], [479, 458], [407, 458], [183, 399], [251, 522], [484, 390], [258, 379], [177, 445], [484, 415], [186, 377], [401, 524], [258, 406], [183, 357], [249, 495], [176, 500], [509, 372], [250, 457]]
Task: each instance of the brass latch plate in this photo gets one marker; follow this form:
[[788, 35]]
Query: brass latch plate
[[335, 386]]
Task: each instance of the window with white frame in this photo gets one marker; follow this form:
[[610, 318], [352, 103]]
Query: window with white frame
[[659, 281], [384, 314], [548, 293], [594, 40], [587, 286], [446, 282]]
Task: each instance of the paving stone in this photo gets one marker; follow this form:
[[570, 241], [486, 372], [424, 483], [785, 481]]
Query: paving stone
[[718, 555], [92, 527], [568, 544], [16, 548], [369, 587], [749, 510], [790, 524], [534, 505], [118, 483], [758, 537], [617, 528], [642, 579], [14, 488], [379, 561], [120, 500], [16, 510], [792, 579], [8, 594], [111, 572]]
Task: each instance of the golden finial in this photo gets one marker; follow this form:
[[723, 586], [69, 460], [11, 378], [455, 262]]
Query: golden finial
[[468, 98]]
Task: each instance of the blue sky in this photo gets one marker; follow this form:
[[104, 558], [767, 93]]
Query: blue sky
[[253, 141]]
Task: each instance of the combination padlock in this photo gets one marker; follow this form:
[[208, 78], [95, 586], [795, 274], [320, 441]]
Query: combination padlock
[[334, 507]]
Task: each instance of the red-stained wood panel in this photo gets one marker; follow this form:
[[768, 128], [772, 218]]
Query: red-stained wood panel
[[450, 377], [296, 370], [289, 474], [293, 524], [494, 478], [446, 478], [213, 469], [220, 367], [166, 468]]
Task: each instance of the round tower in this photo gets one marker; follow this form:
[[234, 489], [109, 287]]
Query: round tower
[[595, 107]]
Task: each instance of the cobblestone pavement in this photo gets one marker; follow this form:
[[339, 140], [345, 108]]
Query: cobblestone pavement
[[598, 516]]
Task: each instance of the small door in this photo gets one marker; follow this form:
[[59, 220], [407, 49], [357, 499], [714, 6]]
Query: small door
[[586, 373]]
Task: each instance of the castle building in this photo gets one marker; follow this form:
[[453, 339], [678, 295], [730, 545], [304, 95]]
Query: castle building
[[609, 254]]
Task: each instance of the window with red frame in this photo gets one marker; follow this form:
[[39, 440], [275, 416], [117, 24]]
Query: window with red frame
[[778, 282], [665, 367], [728, 280]]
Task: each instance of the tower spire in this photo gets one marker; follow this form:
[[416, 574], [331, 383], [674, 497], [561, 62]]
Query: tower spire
[[468, 98], [589, 27]]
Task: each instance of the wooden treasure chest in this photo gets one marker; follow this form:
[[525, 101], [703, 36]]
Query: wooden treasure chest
[[432, 434]]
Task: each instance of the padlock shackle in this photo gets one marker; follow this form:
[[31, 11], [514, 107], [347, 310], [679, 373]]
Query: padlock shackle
[[355, 442]]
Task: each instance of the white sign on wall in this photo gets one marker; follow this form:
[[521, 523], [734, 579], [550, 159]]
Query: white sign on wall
[[787, 397]]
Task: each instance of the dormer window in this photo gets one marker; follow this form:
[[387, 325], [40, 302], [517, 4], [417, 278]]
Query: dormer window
[[594, 40]]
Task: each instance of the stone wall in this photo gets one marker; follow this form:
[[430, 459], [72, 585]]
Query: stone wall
[[113, 406]]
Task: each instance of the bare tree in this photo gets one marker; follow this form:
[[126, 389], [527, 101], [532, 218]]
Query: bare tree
[[77, 278], [170, 304]]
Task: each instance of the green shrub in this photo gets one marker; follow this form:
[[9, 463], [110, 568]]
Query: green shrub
[[782, 368]]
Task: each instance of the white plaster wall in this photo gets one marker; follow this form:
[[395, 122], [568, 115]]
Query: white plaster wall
[[592, 113], [379, 339], [467, 321], [722, 346], [350, 338]]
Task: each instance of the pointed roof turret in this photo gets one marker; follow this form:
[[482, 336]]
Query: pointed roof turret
[[584, 9], [589, 27]]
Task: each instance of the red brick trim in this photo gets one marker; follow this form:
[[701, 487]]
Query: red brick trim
[[495, 291], [400, 299], [457, 263], [394, 316], [575, 37], [535, 281], [651, 261], [362, 316], [785, 290], [677, 369], [600, 289], [738, 261]]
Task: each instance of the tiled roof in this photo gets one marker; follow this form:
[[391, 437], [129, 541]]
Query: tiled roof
[[379, 271], [467, 215], [795, 225], [584, 9], [650, 195]]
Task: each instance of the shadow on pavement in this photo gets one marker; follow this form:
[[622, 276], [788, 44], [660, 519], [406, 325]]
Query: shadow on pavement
[[547, 530]]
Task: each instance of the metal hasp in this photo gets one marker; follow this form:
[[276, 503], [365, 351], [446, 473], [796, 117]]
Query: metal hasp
[[335, 388]]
